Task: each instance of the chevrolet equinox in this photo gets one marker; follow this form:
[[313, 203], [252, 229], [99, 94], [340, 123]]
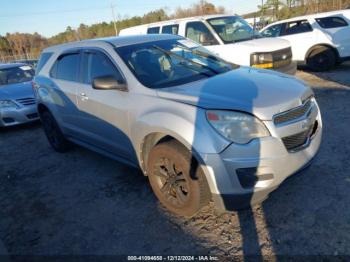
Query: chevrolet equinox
[[202, 129]]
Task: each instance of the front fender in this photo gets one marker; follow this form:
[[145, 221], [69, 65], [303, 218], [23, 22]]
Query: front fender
[[196, 133]]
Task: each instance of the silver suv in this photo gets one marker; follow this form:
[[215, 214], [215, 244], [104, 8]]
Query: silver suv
[[199, 127]]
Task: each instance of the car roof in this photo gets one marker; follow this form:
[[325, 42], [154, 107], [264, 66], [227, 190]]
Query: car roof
[[11, 65], [201, 17], [116, 41], [177, 20], [318, 15]]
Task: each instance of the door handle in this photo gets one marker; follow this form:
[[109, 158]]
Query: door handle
[[83, 97]]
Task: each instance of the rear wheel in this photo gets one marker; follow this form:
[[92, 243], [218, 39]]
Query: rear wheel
[[53, 133], [177, 180], [321, 59]]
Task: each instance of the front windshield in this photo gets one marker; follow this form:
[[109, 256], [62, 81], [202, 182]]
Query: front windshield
[[16, 75], [232, 29], [172, 62]]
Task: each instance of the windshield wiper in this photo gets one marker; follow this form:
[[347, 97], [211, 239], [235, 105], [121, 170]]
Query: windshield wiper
[[169, 53]]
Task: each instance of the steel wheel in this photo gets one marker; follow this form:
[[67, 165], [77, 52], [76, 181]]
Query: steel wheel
[[172, 182], [176, 179], [53, 133]]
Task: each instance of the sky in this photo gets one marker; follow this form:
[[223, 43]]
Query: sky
[[49, 17]]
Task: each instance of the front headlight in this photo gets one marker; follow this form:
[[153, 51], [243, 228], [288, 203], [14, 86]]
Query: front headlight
[[238, 127], [8, 104], [261, 60]]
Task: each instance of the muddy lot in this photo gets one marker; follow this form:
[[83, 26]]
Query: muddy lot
[[83, 203]]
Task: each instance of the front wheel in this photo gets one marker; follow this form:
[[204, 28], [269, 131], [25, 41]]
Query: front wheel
[[321, 59], [53, 133], [177, 179]]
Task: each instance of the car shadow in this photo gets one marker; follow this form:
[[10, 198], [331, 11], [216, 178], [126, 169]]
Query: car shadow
[[339, 74]]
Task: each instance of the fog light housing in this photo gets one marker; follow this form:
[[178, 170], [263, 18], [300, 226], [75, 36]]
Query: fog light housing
[[249, 177]]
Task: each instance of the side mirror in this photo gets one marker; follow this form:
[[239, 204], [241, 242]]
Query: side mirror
[[206, 39], [108, 83]]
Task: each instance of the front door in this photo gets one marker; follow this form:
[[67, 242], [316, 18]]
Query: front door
[[301, 35], [103, 113]]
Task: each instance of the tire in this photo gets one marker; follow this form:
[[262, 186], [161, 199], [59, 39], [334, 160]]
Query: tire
[[53, 133], [321, 59], [177, 180]]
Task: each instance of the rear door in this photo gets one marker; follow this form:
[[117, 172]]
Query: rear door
[[103, 113], [301, 35], [338, 30], [63, 87]]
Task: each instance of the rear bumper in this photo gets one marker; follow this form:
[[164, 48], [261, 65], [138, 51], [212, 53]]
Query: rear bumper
[[13, 116], [290, 69]]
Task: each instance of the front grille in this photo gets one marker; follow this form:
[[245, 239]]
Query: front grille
[[292, 114], [295, 141], [300, 140], [26, 101], [282, 57]]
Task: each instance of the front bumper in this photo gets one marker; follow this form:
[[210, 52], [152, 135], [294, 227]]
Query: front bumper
[[290, 69], [13, 116], [270, 161]]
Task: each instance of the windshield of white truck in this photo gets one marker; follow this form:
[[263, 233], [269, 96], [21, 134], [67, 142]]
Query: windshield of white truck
[[172, 62], [233, 29]]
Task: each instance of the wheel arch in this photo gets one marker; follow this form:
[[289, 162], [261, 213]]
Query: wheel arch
[[155, 138], [151, 128], [42, 108], [334, 49]]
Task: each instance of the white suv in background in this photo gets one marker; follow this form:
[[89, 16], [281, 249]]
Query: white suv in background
[[319, 41], [228, 36]]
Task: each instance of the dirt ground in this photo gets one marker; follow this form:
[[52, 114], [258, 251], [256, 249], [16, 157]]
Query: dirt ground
[[83, 203]]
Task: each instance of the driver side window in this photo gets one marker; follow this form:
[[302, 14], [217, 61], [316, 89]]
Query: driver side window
[[96, 64], [199, 32]]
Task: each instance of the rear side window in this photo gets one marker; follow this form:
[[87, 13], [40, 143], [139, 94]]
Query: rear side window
[[153, 30], [272, 31], [66, 67], [97, 64], [170, 29], [297, 27], [42, 61], [199, 32], [332, 22]]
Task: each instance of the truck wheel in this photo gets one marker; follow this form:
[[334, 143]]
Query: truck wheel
[[53, 133], [321, 59], [177, 180]]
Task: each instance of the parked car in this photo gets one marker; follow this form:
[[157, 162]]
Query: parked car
[[319, 41], [230, 37], [31, 62], [199, 127], [17, 101]]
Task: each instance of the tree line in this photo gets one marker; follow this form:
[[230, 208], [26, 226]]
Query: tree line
[[24, 45], [280, 10]]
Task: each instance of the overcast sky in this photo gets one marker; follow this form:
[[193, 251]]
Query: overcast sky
[[49, 17]]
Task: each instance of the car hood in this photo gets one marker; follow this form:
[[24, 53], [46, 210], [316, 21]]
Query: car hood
[[263, 44], [16, 91], [263, 93]]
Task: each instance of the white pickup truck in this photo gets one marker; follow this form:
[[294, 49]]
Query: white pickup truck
[[230, 37]]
